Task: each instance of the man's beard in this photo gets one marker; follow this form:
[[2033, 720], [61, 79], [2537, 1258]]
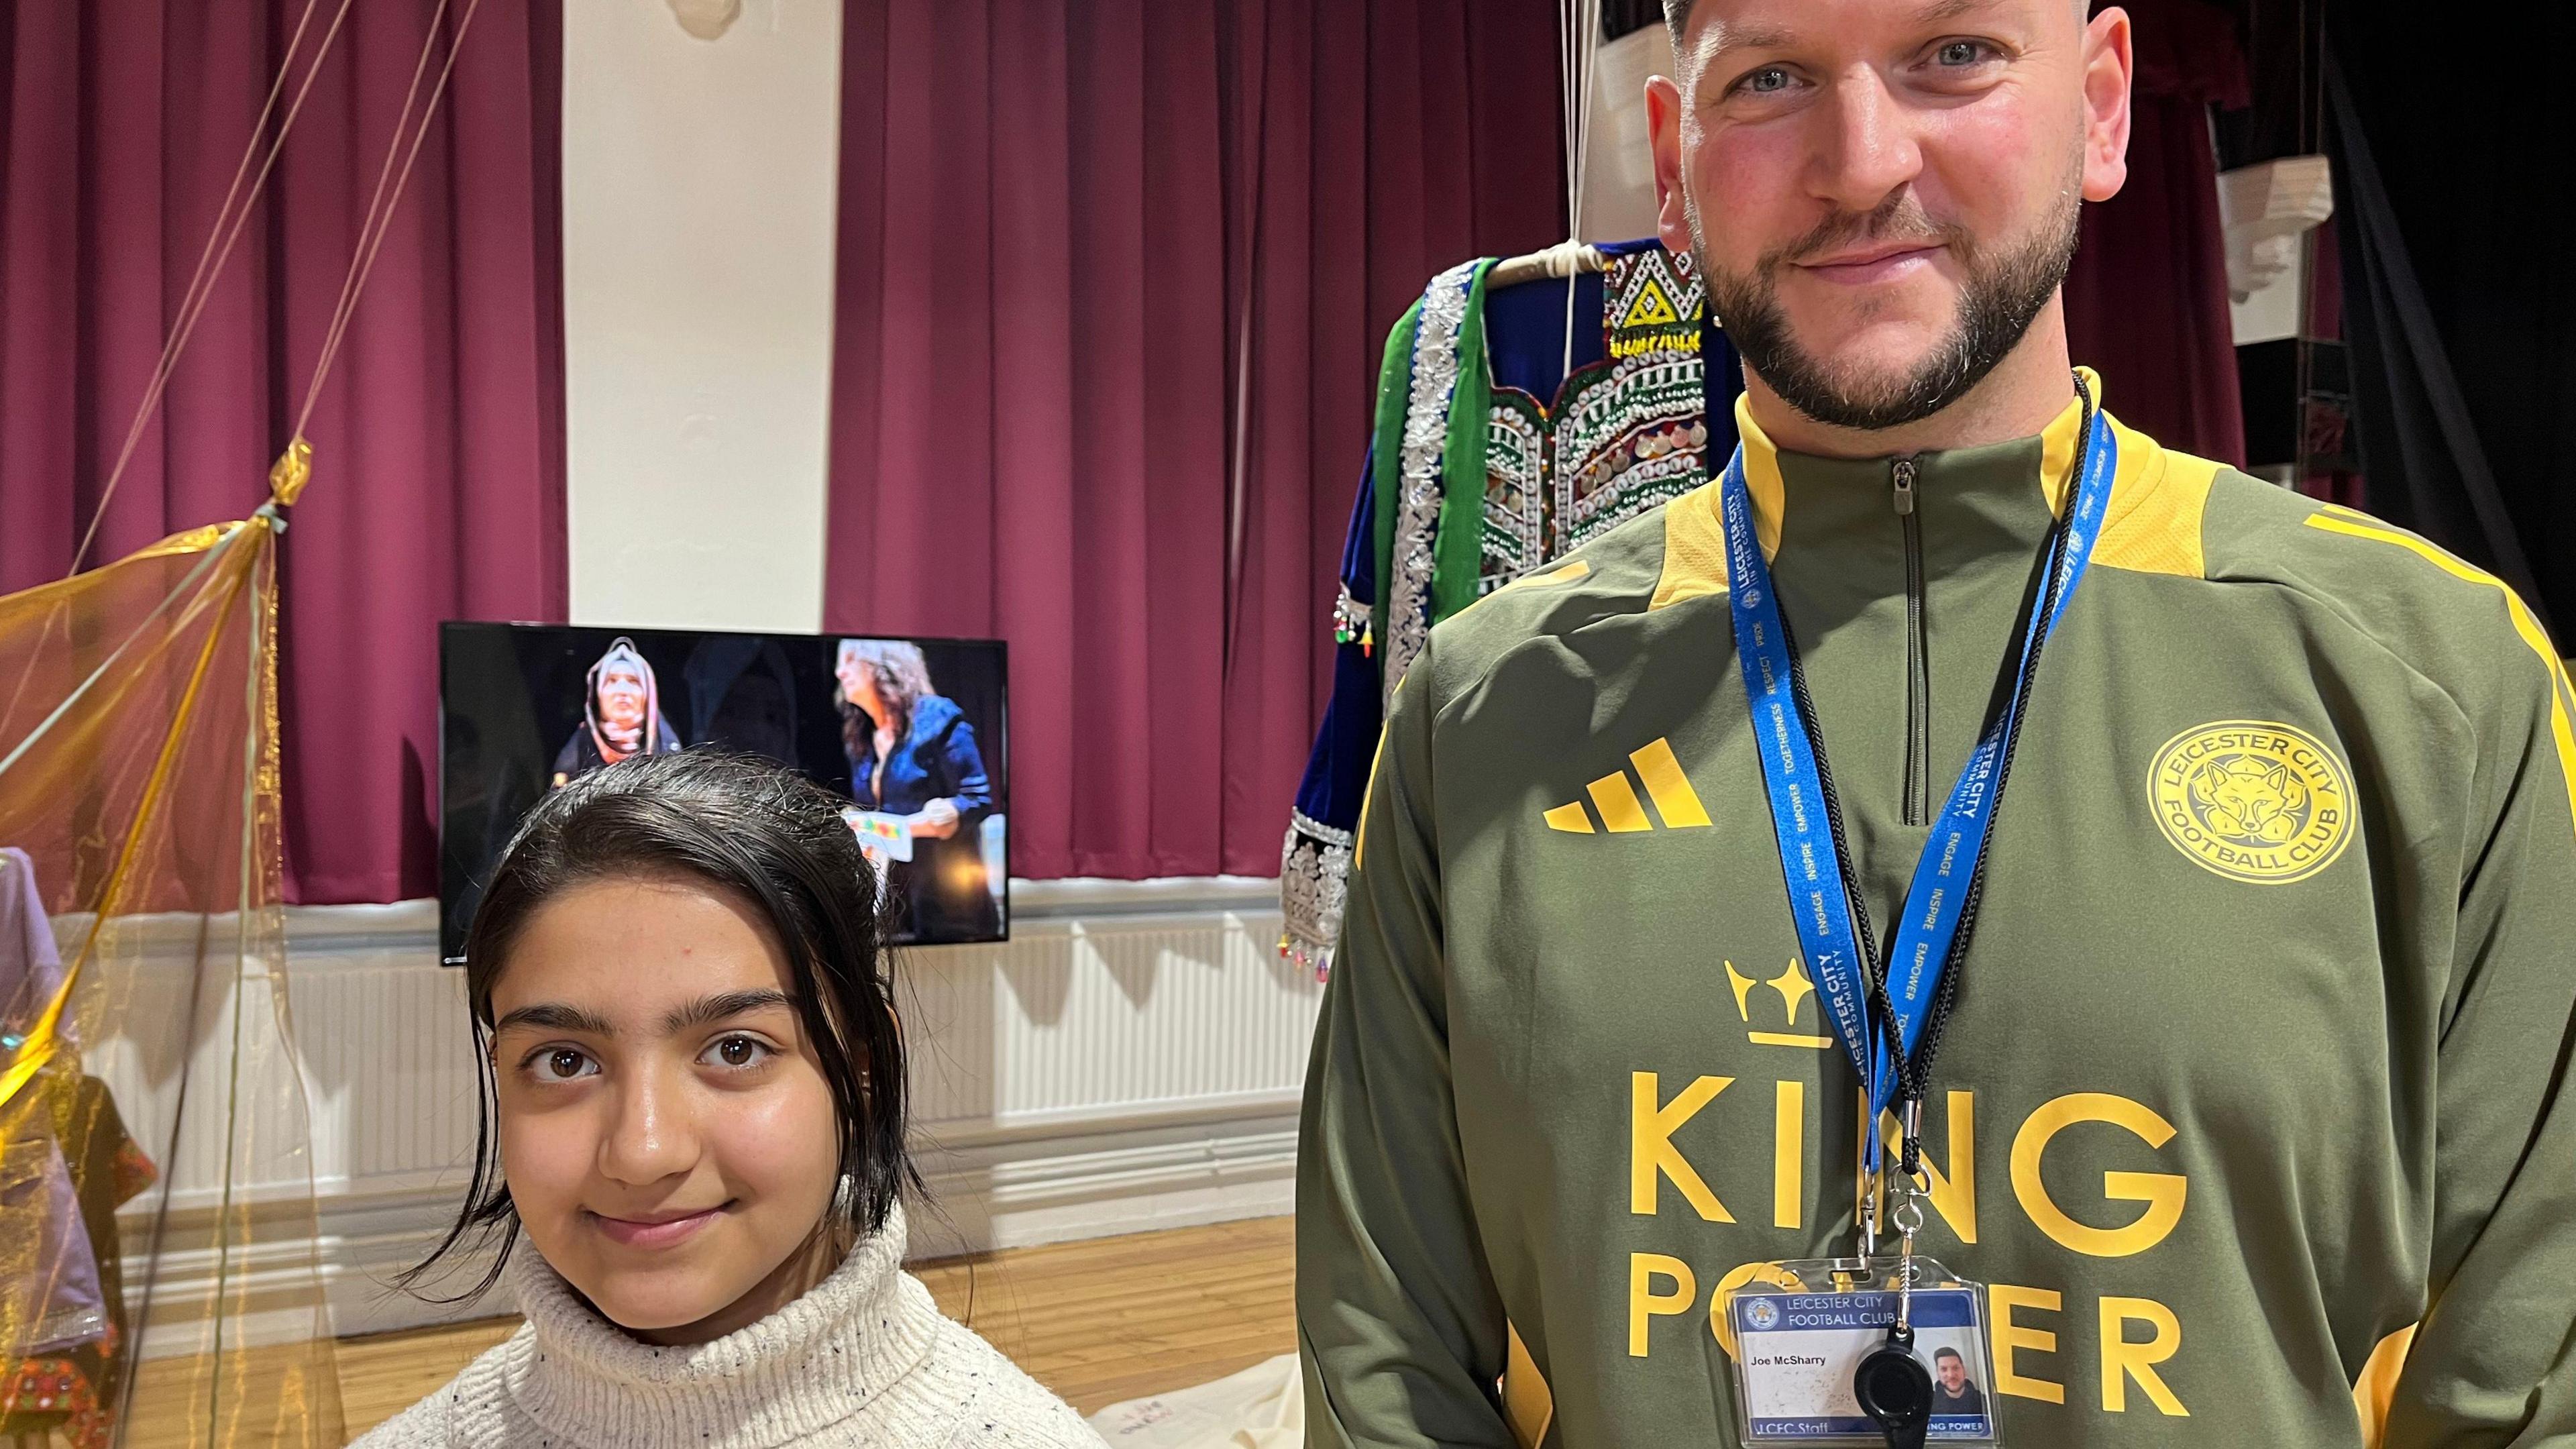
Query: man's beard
[[2002, 295]]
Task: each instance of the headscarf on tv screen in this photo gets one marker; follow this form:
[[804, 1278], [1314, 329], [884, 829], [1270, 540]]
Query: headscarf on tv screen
[[621, 714]]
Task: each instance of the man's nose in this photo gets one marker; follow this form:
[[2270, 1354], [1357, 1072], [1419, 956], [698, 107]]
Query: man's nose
[[1870, 150]]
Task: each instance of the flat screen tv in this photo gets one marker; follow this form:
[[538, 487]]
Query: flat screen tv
[[914, 732]]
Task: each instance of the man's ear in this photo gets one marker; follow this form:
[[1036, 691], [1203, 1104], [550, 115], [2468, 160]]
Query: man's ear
[[2108, 66], [1664, 133]]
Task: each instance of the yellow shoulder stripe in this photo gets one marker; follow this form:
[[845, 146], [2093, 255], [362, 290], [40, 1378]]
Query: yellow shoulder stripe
[[1694, 549], [2158, 500], [1694, 534], [1564, 573], [1529, 1407], [1368, 796], [2376, 1389], [2562, 717]]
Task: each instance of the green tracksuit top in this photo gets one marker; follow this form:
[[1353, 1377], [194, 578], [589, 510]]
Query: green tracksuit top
[[2256, 1111]]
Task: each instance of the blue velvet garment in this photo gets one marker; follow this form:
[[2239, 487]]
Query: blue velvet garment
[[1337, 769]]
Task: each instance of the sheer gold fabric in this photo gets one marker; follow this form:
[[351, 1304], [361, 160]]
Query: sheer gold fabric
[[153, 1067]]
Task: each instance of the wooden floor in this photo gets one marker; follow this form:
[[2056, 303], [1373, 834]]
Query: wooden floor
[[1119, 1318], [1097, 1321]]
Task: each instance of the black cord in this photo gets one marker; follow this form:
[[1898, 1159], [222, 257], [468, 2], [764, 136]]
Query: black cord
[[1914, 1072], [1946, 994]]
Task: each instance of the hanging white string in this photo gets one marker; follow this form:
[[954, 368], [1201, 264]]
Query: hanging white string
[[1579, 43], [1580, 166], [1238, 493], [380, 208], [230, 217], [220, 238], [229, 221]]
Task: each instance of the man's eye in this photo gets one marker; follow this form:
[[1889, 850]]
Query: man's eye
[[1964, 52], [1768, 81], [737, 1052]]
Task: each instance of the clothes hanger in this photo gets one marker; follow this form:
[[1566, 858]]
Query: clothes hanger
[[1564, 259]]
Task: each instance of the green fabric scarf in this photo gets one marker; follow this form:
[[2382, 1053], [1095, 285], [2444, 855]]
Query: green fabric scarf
[[1458, 546]]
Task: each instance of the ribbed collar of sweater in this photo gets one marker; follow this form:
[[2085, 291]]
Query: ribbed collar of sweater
[[798, 1372]]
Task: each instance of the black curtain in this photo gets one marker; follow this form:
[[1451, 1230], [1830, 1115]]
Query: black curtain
[[2459, 304], [1618, 17]]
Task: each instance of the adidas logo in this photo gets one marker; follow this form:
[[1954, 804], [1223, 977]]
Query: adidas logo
[[1616, 799]]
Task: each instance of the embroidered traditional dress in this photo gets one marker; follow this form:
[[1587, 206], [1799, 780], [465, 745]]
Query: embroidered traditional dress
[[1490, 459], [65, 1168]]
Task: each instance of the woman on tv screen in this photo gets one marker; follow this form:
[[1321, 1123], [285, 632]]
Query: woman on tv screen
[[621, 715], [913, 755]]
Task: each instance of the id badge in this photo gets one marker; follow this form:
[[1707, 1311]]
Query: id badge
[[1800, 1336]]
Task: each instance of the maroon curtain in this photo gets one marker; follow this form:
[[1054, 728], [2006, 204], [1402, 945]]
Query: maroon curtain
[[1113, 279], [438, 444], [2147, 300]]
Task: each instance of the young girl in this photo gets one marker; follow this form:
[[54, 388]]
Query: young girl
[[696, 1107]]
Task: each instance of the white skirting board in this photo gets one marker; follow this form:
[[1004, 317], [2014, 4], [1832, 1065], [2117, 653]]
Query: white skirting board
[[1130, 1060]]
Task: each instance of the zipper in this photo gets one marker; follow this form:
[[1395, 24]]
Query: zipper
[[1918, 654]]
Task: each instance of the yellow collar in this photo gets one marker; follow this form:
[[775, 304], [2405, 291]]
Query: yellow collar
[[1770, 495]]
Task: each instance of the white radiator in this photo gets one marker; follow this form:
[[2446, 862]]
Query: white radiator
[[1130, 1059]]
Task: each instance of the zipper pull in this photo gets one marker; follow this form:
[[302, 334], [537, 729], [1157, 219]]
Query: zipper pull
[[1904, 487]]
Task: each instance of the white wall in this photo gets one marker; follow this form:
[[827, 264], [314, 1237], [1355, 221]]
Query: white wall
[[1619, 159], [699, 184]]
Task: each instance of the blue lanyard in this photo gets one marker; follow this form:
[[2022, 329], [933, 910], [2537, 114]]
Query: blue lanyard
[[1812, 861]]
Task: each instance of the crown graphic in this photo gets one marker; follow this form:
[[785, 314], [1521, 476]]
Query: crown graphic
[[1616, 799], [1795, 992]]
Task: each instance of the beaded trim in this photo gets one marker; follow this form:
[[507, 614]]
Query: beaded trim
[[1352, 621], [1426, 431], [1652, 303], [1515, 493], [1314, 890], [1624, 435], [1630, 439]]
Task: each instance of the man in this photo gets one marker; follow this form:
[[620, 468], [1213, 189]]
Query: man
[[2252, 1104], [1952, 1394]]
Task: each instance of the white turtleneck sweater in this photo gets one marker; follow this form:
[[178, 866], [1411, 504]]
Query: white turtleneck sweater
[[863, 1359]]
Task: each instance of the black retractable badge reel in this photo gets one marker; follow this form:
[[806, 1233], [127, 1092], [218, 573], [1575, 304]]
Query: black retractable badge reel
[[1895, 1390], [1891, 1385]]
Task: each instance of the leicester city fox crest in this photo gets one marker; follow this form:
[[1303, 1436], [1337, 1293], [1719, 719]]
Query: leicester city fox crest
[[2253, 801]]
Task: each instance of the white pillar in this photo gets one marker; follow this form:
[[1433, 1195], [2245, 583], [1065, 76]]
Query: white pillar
[[699, 180]]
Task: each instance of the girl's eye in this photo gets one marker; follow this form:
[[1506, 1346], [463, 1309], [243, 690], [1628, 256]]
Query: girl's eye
[[737, 1052], [563, 1064]]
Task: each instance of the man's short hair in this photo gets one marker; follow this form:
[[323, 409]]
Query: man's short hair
[[1938, 1354]]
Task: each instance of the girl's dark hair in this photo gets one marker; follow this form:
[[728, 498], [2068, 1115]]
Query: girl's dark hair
[[771, 836]]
